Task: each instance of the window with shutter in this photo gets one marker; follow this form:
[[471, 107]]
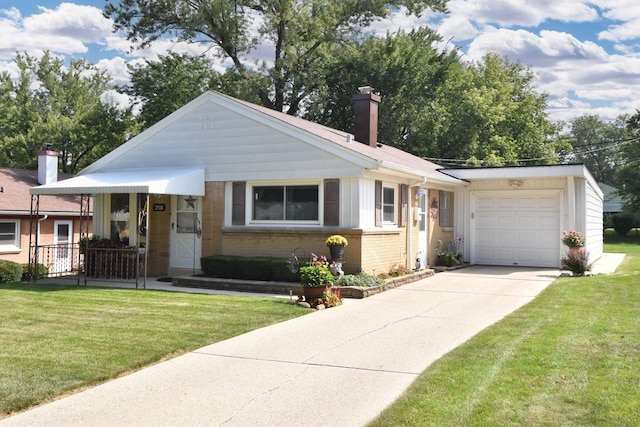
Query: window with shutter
[[238, 203], [332, 202]]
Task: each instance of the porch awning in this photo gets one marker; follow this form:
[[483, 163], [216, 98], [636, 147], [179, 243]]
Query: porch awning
[[152, 181]]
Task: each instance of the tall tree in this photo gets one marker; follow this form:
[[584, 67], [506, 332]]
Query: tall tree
[[492, 115], [300, 33], [595, 143], [627, 174], [406, 69], [51, 103], [160, 87]]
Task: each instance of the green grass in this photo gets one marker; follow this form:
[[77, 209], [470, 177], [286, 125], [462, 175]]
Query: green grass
[[55, 339], [571, 357]]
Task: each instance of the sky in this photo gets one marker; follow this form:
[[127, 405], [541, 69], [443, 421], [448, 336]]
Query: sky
[[585, 55]]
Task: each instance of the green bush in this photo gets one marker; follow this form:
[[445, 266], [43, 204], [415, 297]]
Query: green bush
[[622, 223], [41, 272], [10, 271], [360, 279], [249, 268]]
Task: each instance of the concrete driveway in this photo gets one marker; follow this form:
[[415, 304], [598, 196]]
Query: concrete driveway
[[340, 366]]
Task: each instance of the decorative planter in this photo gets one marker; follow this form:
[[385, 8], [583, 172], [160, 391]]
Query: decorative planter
[[337, 252], [313, 293]]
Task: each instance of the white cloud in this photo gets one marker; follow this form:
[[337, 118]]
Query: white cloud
[[508, 13], [85, 23]]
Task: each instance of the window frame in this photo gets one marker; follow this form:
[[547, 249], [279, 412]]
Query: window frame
[[445, 209], [251, 186], [393, 204], [15, 247]]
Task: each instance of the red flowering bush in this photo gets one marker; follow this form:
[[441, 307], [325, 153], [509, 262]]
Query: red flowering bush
[[576, 261]]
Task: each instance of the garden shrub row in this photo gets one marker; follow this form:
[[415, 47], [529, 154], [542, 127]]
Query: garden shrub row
[[248, 268], [10, 271]]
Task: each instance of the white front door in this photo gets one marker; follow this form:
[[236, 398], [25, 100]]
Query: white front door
[[186, 245], [516, 228], [422, 231], [62, 240]]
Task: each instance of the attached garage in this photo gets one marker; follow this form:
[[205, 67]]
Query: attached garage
[[516, 215], [516, 229]]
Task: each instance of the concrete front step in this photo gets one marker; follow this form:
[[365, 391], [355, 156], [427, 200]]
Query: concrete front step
[[289, 288]]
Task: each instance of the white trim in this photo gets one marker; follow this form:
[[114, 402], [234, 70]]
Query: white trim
[[16, 237], [250, 185], [153, 181], [393, 223]]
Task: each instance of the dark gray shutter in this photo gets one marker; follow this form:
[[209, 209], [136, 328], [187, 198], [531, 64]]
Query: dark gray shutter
[[238, 203], [378, 203], [404, 205], [332, 202]]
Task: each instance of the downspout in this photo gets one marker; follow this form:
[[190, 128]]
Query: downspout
[[410, 256], [571, 201]]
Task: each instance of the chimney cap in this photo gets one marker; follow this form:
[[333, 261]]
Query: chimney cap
[[365, 90]]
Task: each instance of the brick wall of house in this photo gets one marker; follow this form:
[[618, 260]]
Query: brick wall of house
[[436, 232], [281, 243], [212, 218], [159, 229], [46, 237], [384, 250]]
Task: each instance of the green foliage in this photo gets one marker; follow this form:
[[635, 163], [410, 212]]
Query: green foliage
[[331, 297], [302, 34], [448, 259], [576, 261], [41, 271], [361, 279], [594, 142], [623, 223], [61, 104], [573, 239], [313, 276], [627, 174], [10, 271], [249, 268]]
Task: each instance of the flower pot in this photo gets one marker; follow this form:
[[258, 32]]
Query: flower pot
[[314, 292], [337, 252]]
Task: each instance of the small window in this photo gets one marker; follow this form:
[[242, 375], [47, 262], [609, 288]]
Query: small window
[[446, 209], [119, 217], [9, 235], [389, 205], [285, 203]]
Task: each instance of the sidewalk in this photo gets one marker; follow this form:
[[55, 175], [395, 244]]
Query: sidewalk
[[340, 366]]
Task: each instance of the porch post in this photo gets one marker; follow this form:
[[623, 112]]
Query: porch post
[[85, 210], [33, 240], [143, 223]]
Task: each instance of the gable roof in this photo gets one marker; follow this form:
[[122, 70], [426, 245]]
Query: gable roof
[[612, 199], [337, 150], [15, 198]]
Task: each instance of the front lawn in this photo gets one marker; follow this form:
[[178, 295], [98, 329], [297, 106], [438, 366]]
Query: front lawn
[[568, 358], [56, 339]]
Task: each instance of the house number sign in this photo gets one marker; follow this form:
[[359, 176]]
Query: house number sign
[[159, 207]]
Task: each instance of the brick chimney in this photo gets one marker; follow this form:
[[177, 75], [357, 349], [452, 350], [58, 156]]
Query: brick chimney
[[47, 165], [365, 106]]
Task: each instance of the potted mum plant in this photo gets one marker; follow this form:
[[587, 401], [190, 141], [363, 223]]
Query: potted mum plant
[[336, 244], [315, 277]]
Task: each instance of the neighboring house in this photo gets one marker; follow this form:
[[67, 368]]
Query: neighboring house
[[55, 228], [224, 176], [612, 200]]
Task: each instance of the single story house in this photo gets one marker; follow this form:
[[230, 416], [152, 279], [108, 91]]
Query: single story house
[[613, 202], [54, 229], [224, 176]]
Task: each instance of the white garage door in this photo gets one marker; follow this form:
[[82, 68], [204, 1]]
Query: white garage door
[[516, 228]]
